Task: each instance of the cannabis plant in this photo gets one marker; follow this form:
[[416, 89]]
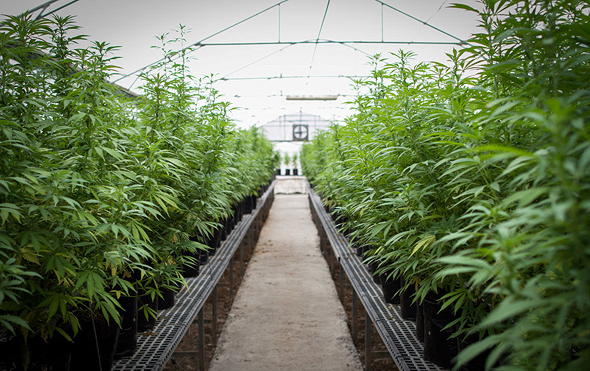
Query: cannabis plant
[[469, 179], [100, 194]]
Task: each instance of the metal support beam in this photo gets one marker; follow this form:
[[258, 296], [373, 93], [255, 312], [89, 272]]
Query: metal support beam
[[231, 279], [368, 333], [43, 7], [421, 21], [327, 41], [341, 270], [248, 240], [198, 43], [201, 340], [312, 97], [355, 335], [381, 22], [214, 315], [332, 263], [242, 265]]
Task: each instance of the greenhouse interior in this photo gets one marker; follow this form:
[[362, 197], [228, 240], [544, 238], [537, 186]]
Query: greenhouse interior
[[385, 185]]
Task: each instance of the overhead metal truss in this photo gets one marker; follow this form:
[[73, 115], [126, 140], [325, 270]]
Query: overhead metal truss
[[326, 41], [348, 43], [43, 8]]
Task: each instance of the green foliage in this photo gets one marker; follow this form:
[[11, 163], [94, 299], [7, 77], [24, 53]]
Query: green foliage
[[472, 180], [97, 190]]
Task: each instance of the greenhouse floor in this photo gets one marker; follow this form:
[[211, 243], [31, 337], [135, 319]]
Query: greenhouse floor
[[287, 315]]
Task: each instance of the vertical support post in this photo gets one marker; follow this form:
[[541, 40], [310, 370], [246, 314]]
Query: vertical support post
[[214, 314], [249, 237], [333, 262], [252, 243], [254, 233], [341, 282], [381, 22], [368, 331], [231, 279], [355, 335], [201, 340], [242, 257]]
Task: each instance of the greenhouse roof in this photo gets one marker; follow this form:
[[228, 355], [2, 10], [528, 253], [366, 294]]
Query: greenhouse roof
[[262, 51]]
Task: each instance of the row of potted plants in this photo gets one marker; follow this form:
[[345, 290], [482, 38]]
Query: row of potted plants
[[103, 197], [290, 161], [470, 182]]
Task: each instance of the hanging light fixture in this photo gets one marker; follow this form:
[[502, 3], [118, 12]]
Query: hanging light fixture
[[312, 97]]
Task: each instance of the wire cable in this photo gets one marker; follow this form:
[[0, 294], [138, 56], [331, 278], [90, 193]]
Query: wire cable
[[293, 77], [318, 38], [43, 7], [200, 41], [256, 61], [421, 21], [58, 9]]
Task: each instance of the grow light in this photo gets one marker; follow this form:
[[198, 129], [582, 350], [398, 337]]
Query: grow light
[[312, 97]]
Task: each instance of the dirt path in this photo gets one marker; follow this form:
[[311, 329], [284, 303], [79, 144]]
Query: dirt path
[[287, 315]]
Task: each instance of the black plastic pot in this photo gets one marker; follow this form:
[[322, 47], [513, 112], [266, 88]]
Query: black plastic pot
[[167, 299], [390, 287], [237, 216], [128, 333], [224, 232], [339, 220], [438, 348], [295, 171], [143, 323], [241, 210], [287, 171], [420, 322], [192, 270], [478, 363], [347, 233], [229, 225], [94, 345], [215, 241], [247, 205], [374, 266], [203, 256], [53, 354], [361, 250], [408, 309]]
